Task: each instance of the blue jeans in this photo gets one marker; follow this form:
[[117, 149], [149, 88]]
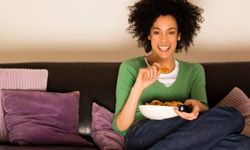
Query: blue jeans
[[216, 129]]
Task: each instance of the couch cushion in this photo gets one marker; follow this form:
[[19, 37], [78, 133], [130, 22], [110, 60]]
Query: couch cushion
[[44, 118]]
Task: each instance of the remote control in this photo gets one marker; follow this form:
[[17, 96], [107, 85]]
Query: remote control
[[185, 108]]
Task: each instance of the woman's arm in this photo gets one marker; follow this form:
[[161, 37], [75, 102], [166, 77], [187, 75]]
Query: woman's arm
[[198, 99], [145, 78]]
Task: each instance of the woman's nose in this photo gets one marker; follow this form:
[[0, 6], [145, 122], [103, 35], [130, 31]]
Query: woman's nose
[[164, 38]]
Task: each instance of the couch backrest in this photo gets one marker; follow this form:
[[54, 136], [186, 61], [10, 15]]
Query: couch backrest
[[221, 77], [97, 82]]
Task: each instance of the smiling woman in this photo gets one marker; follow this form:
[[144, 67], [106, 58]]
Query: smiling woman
[[162, 28]]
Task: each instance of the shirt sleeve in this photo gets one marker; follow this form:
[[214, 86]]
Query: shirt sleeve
[[198, 89], [125, 81]]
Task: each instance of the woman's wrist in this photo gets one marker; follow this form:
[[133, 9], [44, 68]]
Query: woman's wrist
[[204, 107], [137, 89]]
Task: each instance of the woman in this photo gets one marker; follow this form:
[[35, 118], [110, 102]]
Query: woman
[[164, 27]]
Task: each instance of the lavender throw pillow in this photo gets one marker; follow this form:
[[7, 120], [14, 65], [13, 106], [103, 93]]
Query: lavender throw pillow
[[101, 129], [238, 99], [44, 118], [19, 79]]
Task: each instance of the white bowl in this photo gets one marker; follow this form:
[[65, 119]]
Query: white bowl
[[157, 112]]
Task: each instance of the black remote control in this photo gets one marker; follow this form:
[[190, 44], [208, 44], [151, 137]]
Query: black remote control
[[185, 108]]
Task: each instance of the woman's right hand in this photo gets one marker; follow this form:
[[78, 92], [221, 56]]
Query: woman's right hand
[[147, 76]]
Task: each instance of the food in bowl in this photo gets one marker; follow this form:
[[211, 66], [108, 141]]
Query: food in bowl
[[168, 103]]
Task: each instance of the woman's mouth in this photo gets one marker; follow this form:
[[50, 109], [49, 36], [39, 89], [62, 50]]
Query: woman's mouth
[[163, 48]]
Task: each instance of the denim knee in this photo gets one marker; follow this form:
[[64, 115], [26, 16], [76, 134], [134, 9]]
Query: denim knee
[[233, 117]]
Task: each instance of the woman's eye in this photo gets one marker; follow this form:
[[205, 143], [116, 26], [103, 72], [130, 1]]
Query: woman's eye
[[172, 32], [156, 32]]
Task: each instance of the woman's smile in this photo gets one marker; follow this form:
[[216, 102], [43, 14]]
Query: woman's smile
[[163, 48]]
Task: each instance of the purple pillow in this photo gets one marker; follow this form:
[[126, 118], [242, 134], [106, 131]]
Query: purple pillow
[[101, 129], [44, 118]]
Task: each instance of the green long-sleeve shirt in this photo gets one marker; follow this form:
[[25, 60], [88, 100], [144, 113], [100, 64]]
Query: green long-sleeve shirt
[[189, 84]]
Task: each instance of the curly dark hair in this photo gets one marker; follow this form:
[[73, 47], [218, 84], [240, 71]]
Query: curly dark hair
[[145, 12]]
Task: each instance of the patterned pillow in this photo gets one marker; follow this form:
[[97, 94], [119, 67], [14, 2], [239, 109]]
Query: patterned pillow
[[101, 129], [238, 99], [43, 118]]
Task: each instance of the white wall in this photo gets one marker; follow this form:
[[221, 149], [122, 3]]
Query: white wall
[[95, 30]]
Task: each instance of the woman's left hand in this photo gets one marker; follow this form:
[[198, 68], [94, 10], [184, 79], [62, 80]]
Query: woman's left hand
[[197, 107]]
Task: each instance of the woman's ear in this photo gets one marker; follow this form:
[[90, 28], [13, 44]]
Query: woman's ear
[[179, 37], [149, 37]]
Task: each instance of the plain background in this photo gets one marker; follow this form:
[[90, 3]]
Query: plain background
[[95, 30]]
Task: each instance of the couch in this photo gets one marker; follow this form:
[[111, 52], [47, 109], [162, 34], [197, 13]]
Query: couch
[[97, 81]]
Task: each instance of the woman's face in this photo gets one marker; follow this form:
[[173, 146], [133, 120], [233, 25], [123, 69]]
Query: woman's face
[[164, 36]]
